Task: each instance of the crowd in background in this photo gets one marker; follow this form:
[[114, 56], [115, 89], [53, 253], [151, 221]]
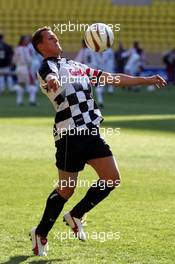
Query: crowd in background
[[18, 69], [18, 66]]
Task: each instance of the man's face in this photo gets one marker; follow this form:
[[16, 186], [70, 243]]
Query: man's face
[[50, 45]]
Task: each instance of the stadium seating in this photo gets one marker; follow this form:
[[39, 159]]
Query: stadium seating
[[153, 25]]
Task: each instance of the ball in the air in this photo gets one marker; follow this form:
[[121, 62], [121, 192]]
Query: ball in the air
[[99, 37]]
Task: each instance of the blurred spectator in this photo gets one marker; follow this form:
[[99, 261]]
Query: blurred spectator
[[169, 61], [95, 61], [100, 88], [36, 59], [108, 61], [135, 63], [6, 54], [35, 64], [135, 49], [120, 61], [23, 61], [86, 56]]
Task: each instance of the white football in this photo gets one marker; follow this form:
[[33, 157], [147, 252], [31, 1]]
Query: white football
[[99, 37]]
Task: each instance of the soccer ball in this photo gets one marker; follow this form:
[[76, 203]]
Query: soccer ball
[[99, 37]]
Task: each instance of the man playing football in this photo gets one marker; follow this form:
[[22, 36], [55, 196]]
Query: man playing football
[[68, 85]]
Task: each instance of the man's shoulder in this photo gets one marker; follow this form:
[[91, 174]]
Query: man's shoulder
[[48, 63], [43, 66]]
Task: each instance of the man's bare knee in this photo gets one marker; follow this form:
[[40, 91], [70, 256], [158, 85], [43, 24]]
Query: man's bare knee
[[115, 179], [66, 192]]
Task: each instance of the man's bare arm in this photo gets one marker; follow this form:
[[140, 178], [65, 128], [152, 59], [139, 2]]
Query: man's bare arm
[[127, 80]]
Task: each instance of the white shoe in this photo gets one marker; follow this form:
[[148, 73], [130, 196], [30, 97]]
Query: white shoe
[[76, 226], [39, 244]]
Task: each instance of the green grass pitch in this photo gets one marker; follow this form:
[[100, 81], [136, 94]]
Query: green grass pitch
[[134, 225]]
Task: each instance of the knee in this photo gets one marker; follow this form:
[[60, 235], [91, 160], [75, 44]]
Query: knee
[[66, 192], [115, 179]]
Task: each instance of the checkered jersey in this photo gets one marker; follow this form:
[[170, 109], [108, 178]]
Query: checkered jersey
[[73, 101]]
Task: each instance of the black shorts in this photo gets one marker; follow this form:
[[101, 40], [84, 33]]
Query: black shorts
[[74, 151]]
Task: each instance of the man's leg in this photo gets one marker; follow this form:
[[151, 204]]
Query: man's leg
[[109, 175], [100, 95], [19, 93], [10, 83], [32, 90], [2, 83], [110, 89], [56, 201]]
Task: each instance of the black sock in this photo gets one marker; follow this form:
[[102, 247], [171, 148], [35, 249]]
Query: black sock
[[94, 195], [54, 206]]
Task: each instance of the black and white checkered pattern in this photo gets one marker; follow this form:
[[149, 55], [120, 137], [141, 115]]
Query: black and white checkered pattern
[[73, 102]]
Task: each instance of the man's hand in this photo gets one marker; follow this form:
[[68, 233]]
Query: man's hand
[[156, 80], [53, 83]]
